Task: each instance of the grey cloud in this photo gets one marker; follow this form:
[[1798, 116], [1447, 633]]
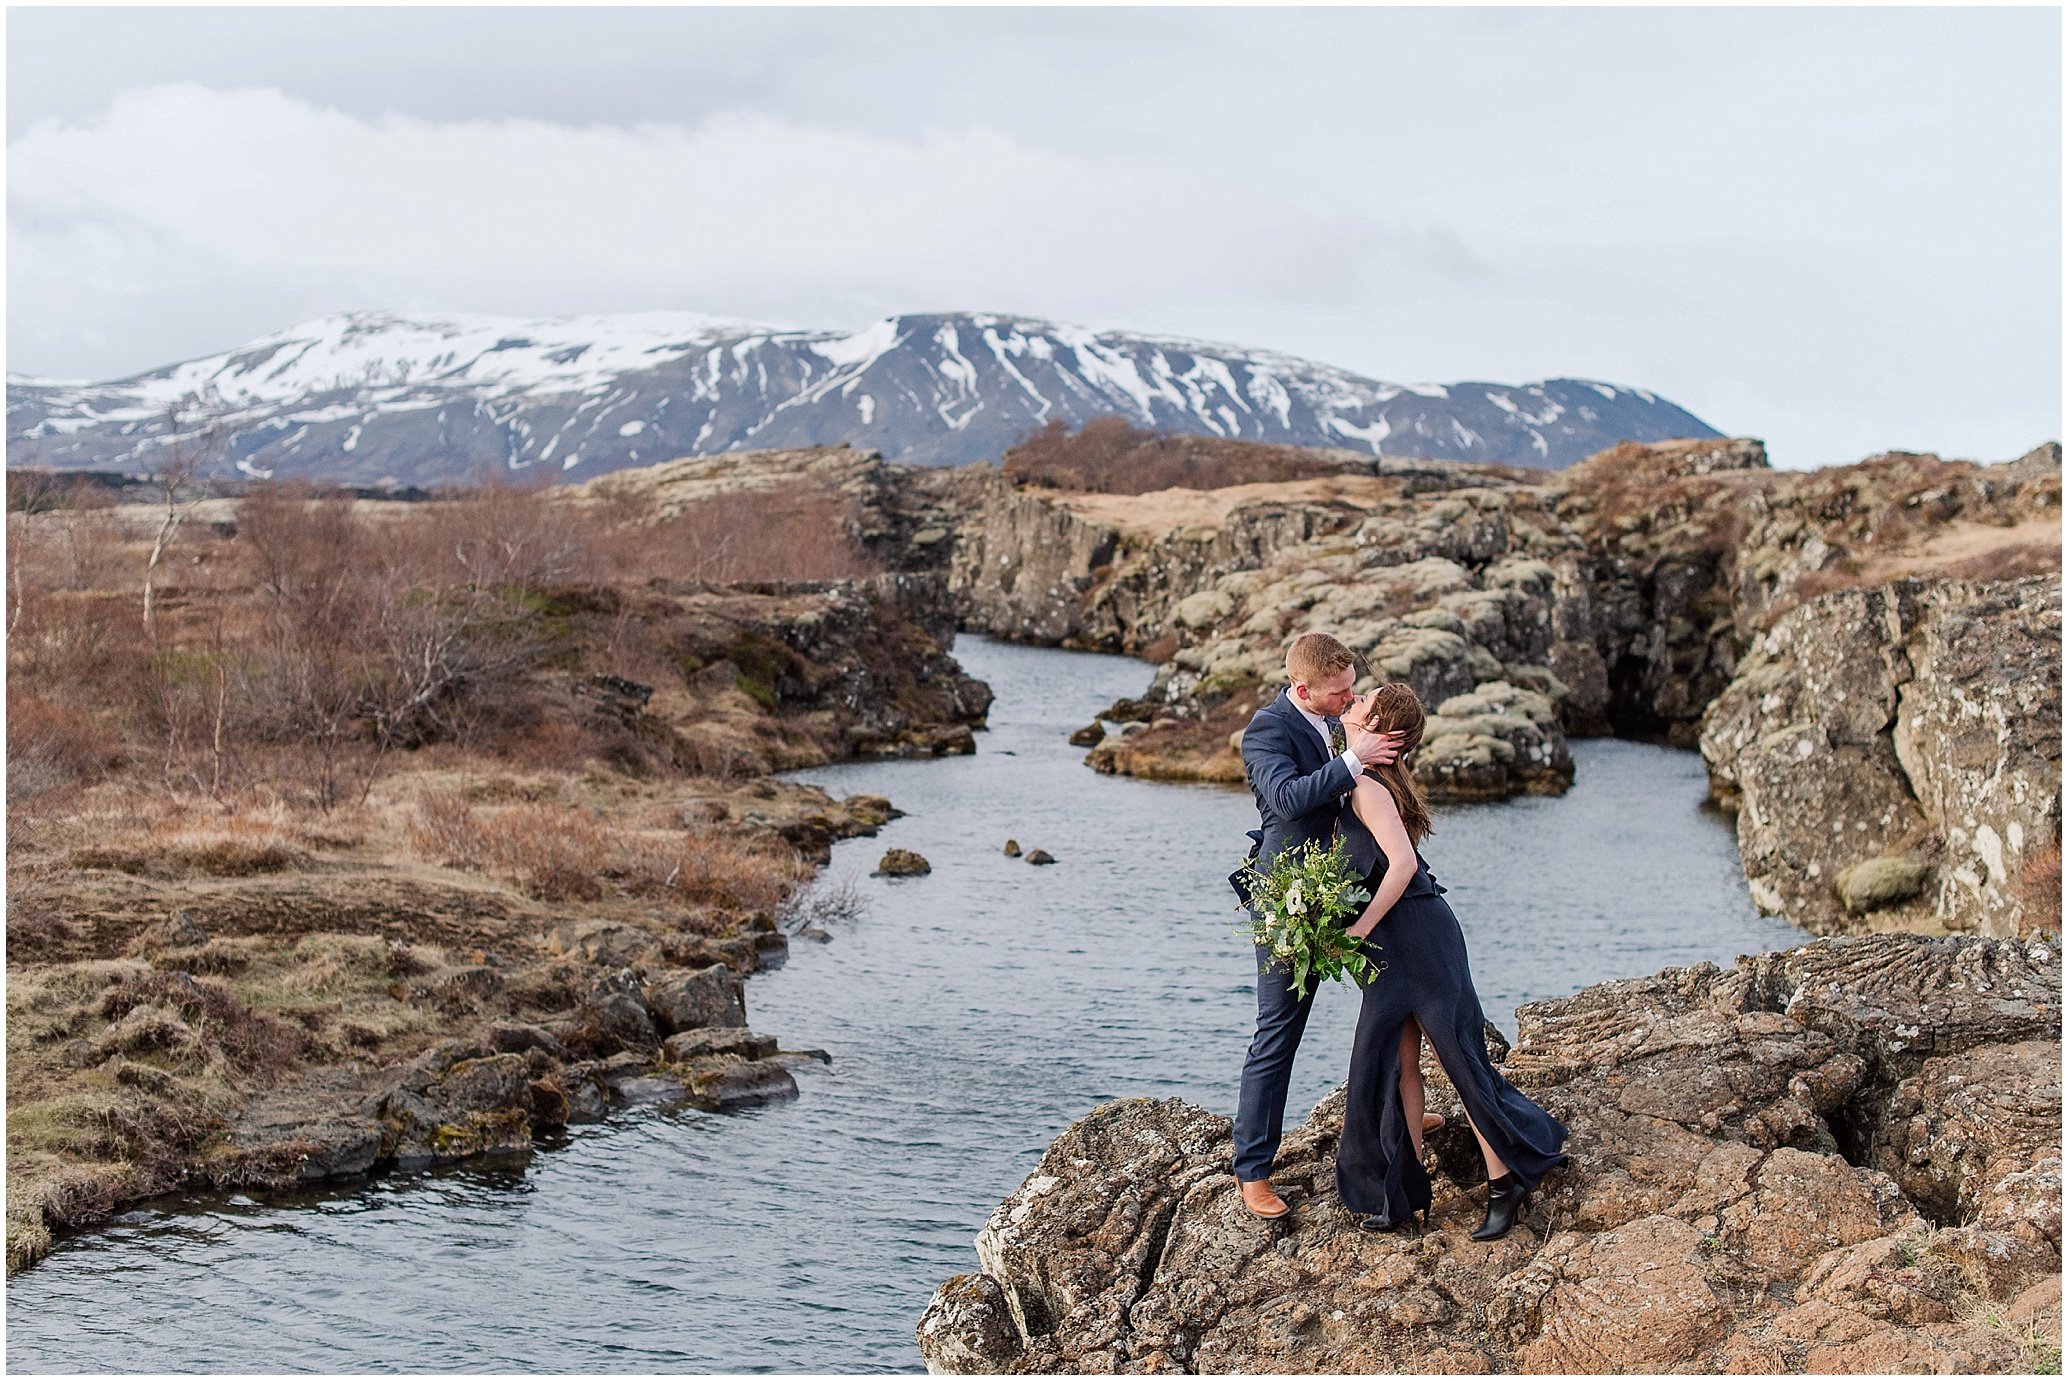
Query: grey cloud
[[1840, 228]]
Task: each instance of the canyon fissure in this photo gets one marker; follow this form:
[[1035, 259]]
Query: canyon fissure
[[1876, 646]]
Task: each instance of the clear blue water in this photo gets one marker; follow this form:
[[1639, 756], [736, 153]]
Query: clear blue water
[[972, 1015]]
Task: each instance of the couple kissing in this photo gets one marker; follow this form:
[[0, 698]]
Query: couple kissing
[[1326, 766]]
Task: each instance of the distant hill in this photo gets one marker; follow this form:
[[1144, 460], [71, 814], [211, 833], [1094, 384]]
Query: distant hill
[[382, 397]]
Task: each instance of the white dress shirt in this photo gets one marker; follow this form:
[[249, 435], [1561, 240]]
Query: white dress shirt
[[1350, 758]]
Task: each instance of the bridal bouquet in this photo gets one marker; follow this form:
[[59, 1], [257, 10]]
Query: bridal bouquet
[[1299, 909]]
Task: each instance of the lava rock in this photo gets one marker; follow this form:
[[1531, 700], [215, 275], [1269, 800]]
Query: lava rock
[[902, 863], [616, 1022], [479, 1106], [744, 1084], [718, 1040], [968, 1329], [1707, 1220], [517, 1037], [1880, 882], [712, 996]]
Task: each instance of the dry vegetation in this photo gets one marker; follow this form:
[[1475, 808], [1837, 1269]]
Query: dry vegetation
[[1786, 537], [1109, 455], [361, 753]]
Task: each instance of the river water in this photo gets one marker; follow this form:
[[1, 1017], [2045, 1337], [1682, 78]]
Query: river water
[[972, 1014]]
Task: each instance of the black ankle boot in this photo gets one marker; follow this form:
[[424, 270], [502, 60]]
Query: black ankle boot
[[1504, 1199]]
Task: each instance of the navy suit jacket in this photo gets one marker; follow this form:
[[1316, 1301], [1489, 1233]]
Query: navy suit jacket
[[1299, 785]]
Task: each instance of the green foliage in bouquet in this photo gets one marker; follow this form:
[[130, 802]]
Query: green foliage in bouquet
[[1299, 909]]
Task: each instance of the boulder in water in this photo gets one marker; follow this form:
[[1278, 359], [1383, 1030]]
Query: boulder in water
[[718, 1040], [902, 863], [742, 1084], [1040, 856]]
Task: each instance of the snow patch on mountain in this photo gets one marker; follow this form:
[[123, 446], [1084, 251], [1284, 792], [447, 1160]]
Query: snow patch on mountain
[[369, 396]]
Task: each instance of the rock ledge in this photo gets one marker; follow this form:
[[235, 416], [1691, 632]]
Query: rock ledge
[[1842, 1157]]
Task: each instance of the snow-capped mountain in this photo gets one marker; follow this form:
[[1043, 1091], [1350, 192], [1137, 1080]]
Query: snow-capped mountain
[[367, 397]]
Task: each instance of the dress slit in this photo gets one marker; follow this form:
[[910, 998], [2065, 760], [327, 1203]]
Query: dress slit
[[1427, 976]]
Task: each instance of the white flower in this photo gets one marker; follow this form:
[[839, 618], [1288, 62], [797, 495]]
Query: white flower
[[1295, 901]]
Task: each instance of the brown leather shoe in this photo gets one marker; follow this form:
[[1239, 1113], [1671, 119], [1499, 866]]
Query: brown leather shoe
[[1261, 1199]]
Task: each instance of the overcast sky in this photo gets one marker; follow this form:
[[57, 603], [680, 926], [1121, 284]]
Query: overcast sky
[[1838, 229]]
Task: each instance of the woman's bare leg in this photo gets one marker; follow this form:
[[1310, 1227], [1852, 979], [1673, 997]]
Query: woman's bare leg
[[1495, 1166], [1412, 1093]]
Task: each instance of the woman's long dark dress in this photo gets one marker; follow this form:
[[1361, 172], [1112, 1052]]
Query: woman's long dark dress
[[1426, 976]]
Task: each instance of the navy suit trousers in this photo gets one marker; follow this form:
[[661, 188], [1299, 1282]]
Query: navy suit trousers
[[1267, 1073]]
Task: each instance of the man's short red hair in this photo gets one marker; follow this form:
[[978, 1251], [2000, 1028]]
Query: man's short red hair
[[1316, 657]]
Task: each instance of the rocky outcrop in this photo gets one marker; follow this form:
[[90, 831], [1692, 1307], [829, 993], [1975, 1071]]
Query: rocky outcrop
[[1452, 578], [788, 675], [1694, 548], [1783, 1166], [904, 515], [490, 1093], [1644, 588], [1893, 756]]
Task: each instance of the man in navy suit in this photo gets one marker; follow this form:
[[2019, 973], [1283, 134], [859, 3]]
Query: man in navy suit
[[1301, 762]]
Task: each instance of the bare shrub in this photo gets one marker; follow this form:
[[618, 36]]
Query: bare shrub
[[556, 853], [51, 747], [562, 853], [398, 631], [490, 535], [230, 847], [722, 870], [34, 490], [68, 549], [302, 540], [828, 901], [82, 649], [444, 830]]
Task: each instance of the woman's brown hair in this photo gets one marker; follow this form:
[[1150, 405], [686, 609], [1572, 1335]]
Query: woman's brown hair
[[1395, 709]]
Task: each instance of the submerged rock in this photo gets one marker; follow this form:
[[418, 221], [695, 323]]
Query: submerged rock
[[1040, 856], [1802, 1162]]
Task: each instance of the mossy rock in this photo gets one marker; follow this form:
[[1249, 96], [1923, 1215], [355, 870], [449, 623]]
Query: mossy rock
[[1880, 882], [902, 863]]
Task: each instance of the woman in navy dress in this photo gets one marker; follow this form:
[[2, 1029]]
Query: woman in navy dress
[[1423, 988]]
